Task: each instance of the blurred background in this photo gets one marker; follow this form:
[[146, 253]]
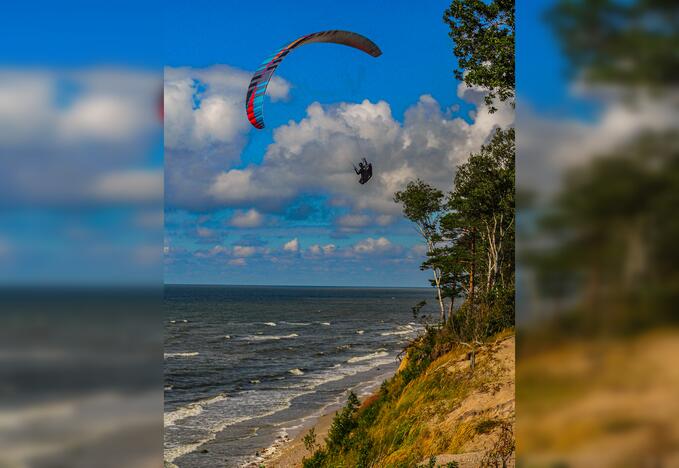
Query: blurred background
[[81, 234], [597, 233]]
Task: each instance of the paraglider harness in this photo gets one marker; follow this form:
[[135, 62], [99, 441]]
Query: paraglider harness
[[365, 170]]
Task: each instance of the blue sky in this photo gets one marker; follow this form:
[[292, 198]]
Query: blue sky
[[281, 205], [235, 197]]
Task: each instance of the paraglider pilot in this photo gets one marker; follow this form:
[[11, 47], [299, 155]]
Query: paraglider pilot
[[365, 170]]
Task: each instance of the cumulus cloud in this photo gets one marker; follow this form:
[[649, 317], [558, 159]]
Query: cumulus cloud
[[238, 262], [317, 249], [247, 219], [291, 246], [205, 127], [243, 251], [63, 132], [315, 155], [205, 232], [370, 245], [212, 252], [354, 220], [141, 185], [549, 146]]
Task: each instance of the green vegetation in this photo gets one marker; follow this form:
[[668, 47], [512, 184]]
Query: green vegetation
[[483, 37], [407, 422]]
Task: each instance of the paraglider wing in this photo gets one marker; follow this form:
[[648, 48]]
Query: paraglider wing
[[254, 99]]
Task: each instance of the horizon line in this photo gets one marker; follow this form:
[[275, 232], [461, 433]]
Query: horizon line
[[295, 286]]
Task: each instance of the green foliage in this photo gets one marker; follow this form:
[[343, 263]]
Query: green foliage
[[483, 36], [317, 459], [470, 245], [394, 427], [309, 440], [343, 423], [421, 204], [619, 42], [613, 231]]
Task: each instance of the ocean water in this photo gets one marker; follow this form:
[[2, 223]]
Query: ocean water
[[246, 367]]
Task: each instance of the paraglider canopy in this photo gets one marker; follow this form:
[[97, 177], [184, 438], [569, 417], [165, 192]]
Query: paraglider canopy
[[254, 100]]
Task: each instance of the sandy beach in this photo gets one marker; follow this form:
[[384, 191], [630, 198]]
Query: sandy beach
[[292, 452]]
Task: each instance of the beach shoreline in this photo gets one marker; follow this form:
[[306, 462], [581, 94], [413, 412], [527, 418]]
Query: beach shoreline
[[292, 451], [289, 451]]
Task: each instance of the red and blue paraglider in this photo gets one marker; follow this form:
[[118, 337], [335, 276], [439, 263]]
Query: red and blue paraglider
[[254, 99]]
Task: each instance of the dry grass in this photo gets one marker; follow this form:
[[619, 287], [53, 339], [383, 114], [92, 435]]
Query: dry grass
[[439, 412]]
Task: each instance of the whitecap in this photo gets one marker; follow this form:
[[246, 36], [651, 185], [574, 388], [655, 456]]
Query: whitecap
[[360, 332], [397, 332], [296, 371], [270, 324], [368, 357], [270, 337], [327, 324], [176, 355]]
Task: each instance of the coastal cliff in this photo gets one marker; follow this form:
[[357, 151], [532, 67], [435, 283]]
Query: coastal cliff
[[443, 414]]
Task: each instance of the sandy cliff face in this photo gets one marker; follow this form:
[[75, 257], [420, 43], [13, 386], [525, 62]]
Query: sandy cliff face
[[447, 415], [478, 426]]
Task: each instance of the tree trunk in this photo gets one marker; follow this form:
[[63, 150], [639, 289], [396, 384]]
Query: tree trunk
[[472, 271], [437, 279]]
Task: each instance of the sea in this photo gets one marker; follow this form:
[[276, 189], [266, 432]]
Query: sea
[[249, 367]]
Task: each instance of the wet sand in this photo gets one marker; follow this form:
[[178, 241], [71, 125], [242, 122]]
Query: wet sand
[[292, 453]]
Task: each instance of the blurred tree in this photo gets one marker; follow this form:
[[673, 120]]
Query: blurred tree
[[619, 42]]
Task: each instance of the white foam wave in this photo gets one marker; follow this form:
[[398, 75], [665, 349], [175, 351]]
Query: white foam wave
[[176, 355], [360, 332], [270, 337], [296, 371], [214, 418], [397, 332], [270, 324], [368, 357], [327, 324]]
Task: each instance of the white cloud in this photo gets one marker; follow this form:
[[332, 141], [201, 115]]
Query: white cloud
[[371, 245], [384, 220], [214, 251], [205, 232], [238, 262], [354, 220], [316, 154], [291, 246], [205, 127], [547, 147], [62, 132], [143, 185], [247, 219], [243, 251], [317, 249]]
